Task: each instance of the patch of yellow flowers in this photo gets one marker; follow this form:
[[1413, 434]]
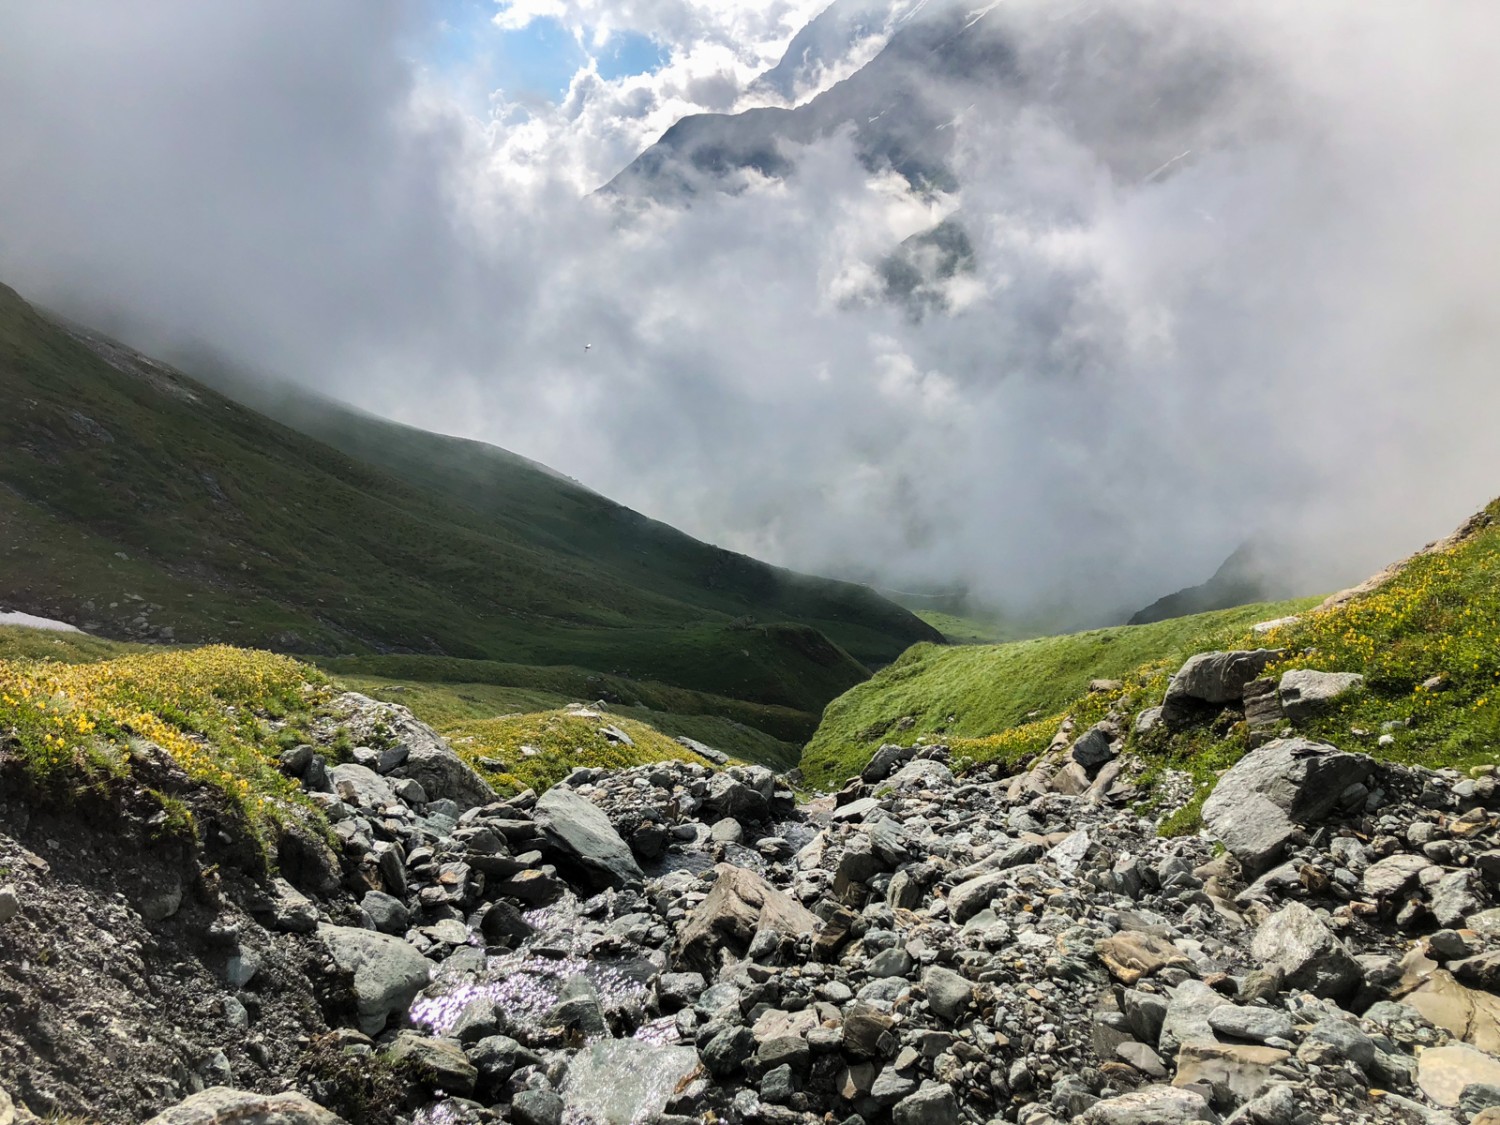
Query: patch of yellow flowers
[[207, 707]]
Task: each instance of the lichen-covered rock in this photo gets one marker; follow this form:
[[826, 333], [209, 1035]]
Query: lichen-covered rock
[[386, 972]]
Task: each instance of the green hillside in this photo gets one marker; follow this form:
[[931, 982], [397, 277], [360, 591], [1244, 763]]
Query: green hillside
[[1425, 634], [979, 690], [140, 504]]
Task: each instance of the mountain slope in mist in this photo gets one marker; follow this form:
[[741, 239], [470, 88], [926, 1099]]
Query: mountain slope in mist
[[944, 61], [136, 502]]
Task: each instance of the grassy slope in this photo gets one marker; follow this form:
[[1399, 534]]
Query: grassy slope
[[1438, 618], [458, 709], [72, 709], [533, 503], [142, 504], [976, 691]]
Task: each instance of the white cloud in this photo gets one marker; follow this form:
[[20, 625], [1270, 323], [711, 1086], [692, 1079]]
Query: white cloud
[[1294, 328]]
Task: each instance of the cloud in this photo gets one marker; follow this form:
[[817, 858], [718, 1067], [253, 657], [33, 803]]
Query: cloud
[[1288, 328]]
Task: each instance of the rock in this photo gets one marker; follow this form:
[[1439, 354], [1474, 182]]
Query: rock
[[496, 1058], [1304, 693], [1256, 807], [580, 831], [727, 1052], [1296, 941], [1468, 1014], [933, 1104], [1211, 679], [441, 1062], [386, 912], [970, 897], [387, 973], [948, 993], [10, 903], [1144, 1014], [1093, 749], [1130, 955], [624, 1081], [921, 774], [1242, 1070], [361, 786], [1154, 1105], [1142, 1057], [1444, 1072], [1258, 1024], [1332, 1041], [1393, 875], [1262, 707], [884, 763], [223, 1106], [536, 1107], [1186, 1021], [1457, 895], [430, 761], [863, 1028], [740, 904]]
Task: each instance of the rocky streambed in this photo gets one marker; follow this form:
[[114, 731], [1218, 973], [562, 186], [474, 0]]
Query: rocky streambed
[[671, 944]]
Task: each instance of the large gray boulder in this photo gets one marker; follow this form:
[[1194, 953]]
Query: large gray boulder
[[1296, 941], [387, 972], [624, 1081], [579, 830], [1304, 692], [427, 758], [219, 1105], [1258, 805], [1212, 679]]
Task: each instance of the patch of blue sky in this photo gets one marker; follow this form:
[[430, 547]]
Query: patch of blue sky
[[628, 53]]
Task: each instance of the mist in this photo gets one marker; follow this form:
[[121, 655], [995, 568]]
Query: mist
[[1286, 329]]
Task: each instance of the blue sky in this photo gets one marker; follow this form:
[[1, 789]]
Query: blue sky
[[538, 60]]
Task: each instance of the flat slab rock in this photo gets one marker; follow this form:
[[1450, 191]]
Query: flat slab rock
[[220, 1105], [1444, 1072]]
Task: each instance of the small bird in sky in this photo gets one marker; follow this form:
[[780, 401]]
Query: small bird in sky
[[588, 347]]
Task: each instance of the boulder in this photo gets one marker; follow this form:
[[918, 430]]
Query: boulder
[[948, 993], [924, 773], [933, 1104], [440, 1062], [970, 897], [1154, 1105], [1131, 955], [1242, 1070], [740, 905], [1093, 749], [1444, 1072], [1393, 874], [220, 1105], [1212, 679], [1258, 804], [624, 1081], [578, 829], [1471, 1015], [387, 973], [885, 761], [1296, 941], [429, 760], [1305, 693], [361, 786]]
